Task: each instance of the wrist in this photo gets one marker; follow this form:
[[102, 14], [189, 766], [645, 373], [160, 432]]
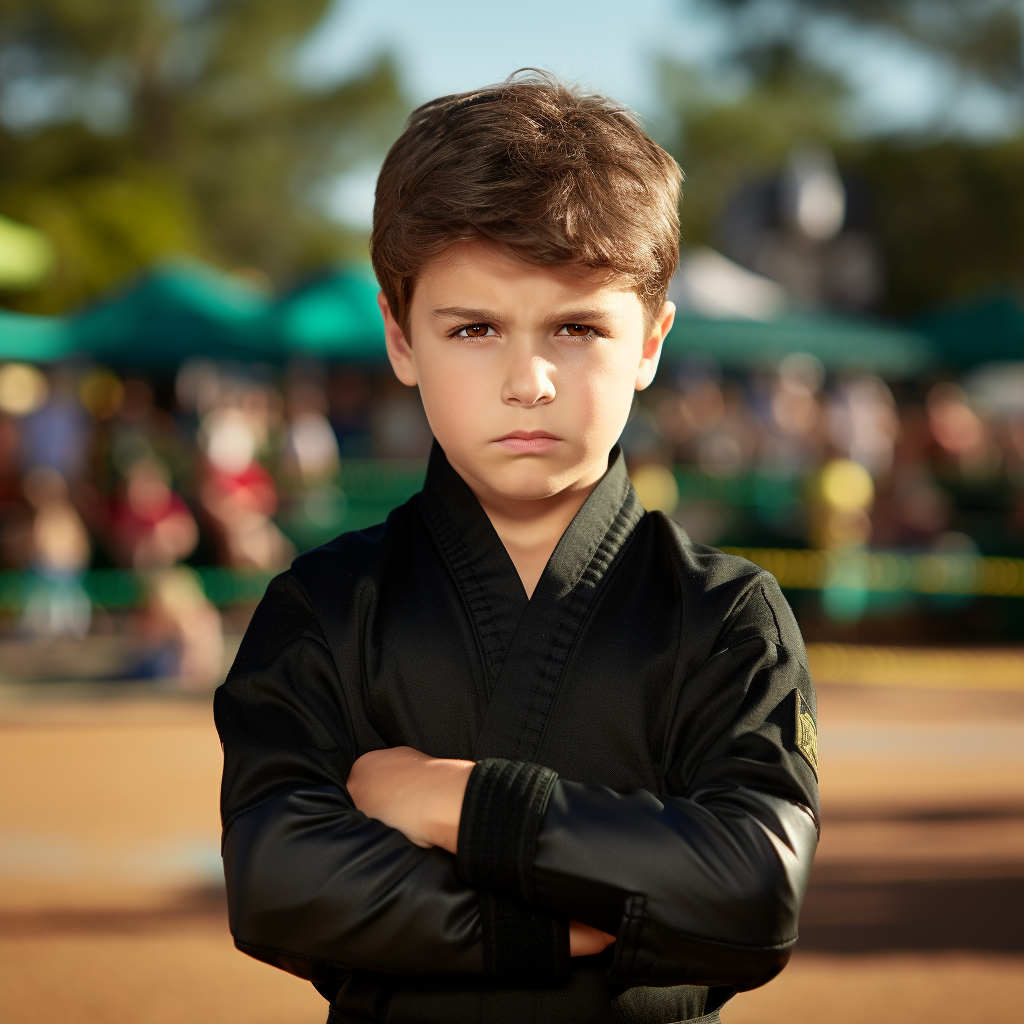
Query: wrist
[[442, 806]]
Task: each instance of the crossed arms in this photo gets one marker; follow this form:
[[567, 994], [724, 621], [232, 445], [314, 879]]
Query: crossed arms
[[422, 798], [393, 862]]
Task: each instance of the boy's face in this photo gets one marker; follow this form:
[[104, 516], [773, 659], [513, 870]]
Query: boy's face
[[526, 373]]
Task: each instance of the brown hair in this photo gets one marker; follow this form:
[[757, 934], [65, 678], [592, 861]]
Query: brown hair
[[558, 176]]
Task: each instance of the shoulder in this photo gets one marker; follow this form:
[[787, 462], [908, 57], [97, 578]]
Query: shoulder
[[733, 597], [319, 589], [283, 615]]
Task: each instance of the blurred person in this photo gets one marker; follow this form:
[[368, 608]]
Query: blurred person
[[263, 409], [691, 409], [151, 529], [793, 443], [315, 505], [139, 433], [59, 433], [197, 385], [311, 448], [964, 440], [911, 512], [57, 604], [150, 524], [911, 509], [863, 424], [181, 629], [618, 724], [201, 387], [730, 447], [238, 494]]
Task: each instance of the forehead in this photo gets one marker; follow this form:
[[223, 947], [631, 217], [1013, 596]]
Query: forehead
[[484, 271]]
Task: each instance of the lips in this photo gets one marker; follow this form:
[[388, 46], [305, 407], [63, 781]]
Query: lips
[[528, 442]]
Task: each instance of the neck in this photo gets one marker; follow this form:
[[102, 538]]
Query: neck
[[530, 529]]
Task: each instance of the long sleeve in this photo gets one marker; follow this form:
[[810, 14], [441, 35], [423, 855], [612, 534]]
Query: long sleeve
[[702, 884], [313, 884]]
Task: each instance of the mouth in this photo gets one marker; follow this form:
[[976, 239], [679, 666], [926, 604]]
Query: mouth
[[528, 442]]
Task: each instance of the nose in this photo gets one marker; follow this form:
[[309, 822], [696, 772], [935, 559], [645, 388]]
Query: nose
[[528, 381]]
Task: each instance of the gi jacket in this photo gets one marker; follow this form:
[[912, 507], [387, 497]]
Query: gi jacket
[[643, 727]]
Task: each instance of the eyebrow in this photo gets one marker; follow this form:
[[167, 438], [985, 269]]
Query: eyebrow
[[464, 313], [582, 316], [568, 316]]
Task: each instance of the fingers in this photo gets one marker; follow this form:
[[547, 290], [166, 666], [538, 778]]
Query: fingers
[[585, 940]]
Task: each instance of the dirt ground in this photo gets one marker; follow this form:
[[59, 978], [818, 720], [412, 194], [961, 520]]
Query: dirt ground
[[111, 908]]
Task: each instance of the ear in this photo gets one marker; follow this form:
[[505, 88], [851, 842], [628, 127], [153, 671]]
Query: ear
[[399, 349], [653, 345]]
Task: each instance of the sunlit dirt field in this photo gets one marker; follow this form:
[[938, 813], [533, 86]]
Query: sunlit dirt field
[[111, 908]]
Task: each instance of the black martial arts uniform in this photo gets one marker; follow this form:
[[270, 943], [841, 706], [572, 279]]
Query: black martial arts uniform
[[644, 741]]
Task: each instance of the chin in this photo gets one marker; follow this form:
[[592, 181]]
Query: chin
[[529, 480]]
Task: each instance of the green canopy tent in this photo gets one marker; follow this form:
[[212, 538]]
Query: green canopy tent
[[33, 339], [186, 308], [176, 311], [842, 344], [331, 317], [988, 330]]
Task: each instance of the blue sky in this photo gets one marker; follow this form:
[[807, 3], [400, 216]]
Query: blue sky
[[452, 45], [443, 46]]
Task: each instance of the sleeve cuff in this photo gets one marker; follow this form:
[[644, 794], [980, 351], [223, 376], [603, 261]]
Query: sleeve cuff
[[501, 815]]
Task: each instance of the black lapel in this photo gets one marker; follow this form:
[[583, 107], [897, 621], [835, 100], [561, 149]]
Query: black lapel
[[527, 644], [551, 625], [483, 572]]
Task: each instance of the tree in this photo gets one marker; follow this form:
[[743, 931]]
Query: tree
[[948, 211], [980, 38], [132, 129], [722, 143], [950, 216]]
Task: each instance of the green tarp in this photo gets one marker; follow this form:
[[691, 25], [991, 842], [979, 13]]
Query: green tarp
[[34, 339], [990, 330], [186, 308], [178, 310], [840, 343], [333, 317]]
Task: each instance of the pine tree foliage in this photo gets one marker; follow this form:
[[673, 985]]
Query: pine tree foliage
[[135, 129]]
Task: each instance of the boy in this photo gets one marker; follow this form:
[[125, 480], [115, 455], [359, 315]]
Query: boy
[[523, 752]]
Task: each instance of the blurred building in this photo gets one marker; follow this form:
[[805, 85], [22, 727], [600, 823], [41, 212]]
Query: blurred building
[[809, 230]]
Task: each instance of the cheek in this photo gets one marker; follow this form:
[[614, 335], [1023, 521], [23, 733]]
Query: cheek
[[603, 397], [451, 390]]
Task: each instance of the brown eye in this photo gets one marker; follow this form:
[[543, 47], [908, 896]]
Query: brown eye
[[577, 330], [475, 331]]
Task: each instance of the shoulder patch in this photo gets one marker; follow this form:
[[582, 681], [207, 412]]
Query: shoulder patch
[[806, 733]]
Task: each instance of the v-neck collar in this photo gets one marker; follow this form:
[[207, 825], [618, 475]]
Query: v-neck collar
[[482, 569], [526, 643]]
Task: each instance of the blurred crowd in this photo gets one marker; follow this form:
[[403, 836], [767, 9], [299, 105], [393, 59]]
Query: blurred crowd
[[241, 466], [233, 466], [793, 457]]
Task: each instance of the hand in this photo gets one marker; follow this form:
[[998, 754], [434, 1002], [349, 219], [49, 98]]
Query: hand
[[585, 940], [421, 796]]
